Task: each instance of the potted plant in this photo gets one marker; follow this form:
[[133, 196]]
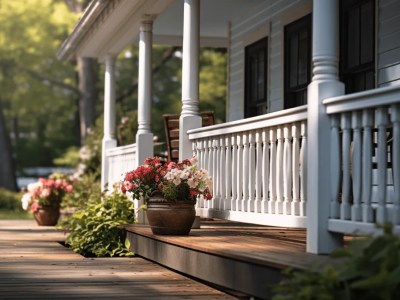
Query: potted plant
[[44, 197], [170, 191]]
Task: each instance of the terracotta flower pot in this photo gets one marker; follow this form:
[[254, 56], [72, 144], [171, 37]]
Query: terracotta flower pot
[[47, 215], [170, 218]]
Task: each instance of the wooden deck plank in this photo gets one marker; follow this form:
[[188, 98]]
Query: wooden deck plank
[[34, 265], [262, 245]]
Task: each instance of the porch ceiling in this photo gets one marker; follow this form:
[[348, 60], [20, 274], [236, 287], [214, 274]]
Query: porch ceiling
[[107, 27]]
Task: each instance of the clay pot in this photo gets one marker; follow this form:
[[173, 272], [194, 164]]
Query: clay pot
[[47, 215], [170, 218]]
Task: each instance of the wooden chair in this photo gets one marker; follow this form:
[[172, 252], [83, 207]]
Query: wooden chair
[[171, 125]]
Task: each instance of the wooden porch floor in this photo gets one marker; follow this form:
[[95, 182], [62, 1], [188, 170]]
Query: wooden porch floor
[[34, 265], [239, 256]]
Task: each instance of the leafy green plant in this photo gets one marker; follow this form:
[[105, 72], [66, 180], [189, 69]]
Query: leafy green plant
[[10, 200], [86, 189], [96, 230], [370, 270]]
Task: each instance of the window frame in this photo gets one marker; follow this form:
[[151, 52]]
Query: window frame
[[291, 93], [251, 107]]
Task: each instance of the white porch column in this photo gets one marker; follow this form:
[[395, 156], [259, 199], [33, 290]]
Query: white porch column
[[325, 83], [109, 140], [190, 118], [144, 136]]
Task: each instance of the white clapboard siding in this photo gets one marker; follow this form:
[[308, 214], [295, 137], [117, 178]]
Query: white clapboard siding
[[365, 161], [270, 14], [257, 166], [389, 42]]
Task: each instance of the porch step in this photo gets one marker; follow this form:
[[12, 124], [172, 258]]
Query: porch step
[[242, 257]]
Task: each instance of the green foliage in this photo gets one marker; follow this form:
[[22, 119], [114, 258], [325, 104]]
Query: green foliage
[[96, 230], [68, 159], [38, 92], [370, 270], [86, 189], [92, 150], [10, 200]]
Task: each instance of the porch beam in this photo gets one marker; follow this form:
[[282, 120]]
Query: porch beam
[[190, 118], [109, 140], [144, 136], [325, 84]]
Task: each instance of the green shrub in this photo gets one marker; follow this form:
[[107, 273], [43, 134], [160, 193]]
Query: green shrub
[[10, 200], [370, 270], [86, 189], [96, 230]]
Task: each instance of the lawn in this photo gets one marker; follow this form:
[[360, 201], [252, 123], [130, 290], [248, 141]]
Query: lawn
[[14, 214]]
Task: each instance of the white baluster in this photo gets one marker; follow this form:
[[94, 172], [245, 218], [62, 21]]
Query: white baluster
[[272, 172], [210, 169], [356, 159], [215, 172], [382, 122], [234, 172], [335, 167], [287, 172], [265, 171], [222, 176], [246, 174], [295, 170], [346, 140], [258, 175], [303, 170], [239, 162], [200, 157], [279, 172], [367, 122], [395, 118], [228, 173], [251, 171], [194, 150]]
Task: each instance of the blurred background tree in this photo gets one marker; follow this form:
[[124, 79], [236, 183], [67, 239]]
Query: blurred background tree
[[49, 108]]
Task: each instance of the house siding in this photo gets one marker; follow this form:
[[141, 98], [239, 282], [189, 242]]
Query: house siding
[[269, 13], [388, 42]]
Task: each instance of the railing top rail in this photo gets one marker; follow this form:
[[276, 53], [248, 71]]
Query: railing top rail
[[268, 120], [121, 150], [371, 98]]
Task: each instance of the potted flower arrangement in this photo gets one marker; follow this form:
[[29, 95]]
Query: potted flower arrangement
[[43, 199], [170, 191]]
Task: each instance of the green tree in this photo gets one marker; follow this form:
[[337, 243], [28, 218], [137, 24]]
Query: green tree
[[36, 89]]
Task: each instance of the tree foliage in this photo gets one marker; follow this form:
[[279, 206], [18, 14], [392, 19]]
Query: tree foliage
[[37, 90]]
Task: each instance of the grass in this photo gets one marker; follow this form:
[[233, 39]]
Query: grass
[[14, 214]]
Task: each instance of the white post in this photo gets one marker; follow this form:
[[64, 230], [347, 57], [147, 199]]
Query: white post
[[144, 136], [109, 140], [190, 118], [325, 83]]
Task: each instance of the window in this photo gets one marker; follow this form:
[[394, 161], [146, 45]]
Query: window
[[357, 44], [256, 58], [297, 61]]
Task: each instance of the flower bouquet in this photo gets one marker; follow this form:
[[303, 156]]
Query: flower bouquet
[[182, 181], [170, 191], [44, 197]]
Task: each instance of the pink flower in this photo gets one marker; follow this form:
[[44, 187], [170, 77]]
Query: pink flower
[[35, 207]]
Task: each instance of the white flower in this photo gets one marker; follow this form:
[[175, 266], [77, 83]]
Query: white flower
[[193, 160], [26, 198], [176, 181], [192, 182]]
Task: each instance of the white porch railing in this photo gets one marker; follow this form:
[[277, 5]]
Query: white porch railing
[[365, 165], [257, 168], [120, 160]]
